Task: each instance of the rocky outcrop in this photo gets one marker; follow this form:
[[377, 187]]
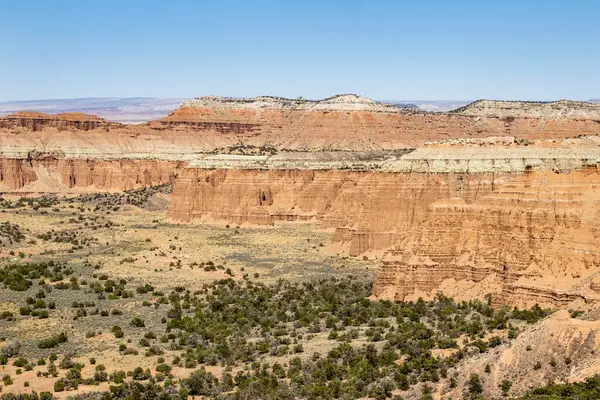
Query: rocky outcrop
[[351, 122], [339, 123], [513, 223], [477, 216]]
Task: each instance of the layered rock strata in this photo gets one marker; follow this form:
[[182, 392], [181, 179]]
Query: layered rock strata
[[49, 175], [557, 110], [513, 223], [36, 121], [351, 122], [339, 123], [526, 361], [534, 239], [369, 209], [462, 217]]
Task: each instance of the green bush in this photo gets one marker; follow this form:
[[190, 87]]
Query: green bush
[[53, 341], [59, 385]]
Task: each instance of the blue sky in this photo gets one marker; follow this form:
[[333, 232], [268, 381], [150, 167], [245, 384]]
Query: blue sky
[[425, 49]]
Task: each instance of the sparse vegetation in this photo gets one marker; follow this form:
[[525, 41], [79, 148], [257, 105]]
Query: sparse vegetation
[[236, 330]]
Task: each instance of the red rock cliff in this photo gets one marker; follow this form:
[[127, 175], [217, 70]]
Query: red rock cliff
[[370, 210], [345, 122], [532, 240], [55, 175], [35, 121]]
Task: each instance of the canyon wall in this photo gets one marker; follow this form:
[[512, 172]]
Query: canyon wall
[[36, 121], [517, 224], [48, 175], [370, 210], [351, 122], [534, 239], [490, 199], [550, 110], [340, 123]]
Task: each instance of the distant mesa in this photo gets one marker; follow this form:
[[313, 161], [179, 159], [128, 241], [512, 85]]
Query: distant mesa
[[342, 102], [68, 116], [125, 110], [346, 122], [532, 109], [34, 121], [405, 105]]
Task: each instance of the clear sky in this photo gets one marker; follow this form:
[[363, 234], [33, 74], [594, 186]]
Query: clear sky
[[393, 50]]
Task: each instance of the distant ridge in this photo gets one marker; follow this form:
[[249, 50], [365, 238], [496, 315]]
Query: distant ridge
[[339, 102], [125, 110], [531, 109]]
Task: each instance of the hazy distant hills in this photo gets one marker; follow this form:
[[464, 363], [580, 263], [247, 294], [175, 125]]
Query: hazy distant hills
[[431, 105], [135, 110], [142, 109], [126, 110]]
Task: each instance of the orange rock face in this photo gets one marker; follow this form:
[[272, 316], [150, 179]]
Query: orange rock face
[[36, 121], [521, 238], [532, 240], [369, 210], [454, 218], [342, 130], [346, 122], [57, 175]]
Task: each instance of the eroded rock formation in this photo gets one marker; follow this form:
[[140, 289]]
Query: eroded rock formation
[[36, 121], [564, 349], [345, 122], [534, 239], [58, 175], [551, 110], [479, 211], [351, 122], [516, 224], [368, 209]]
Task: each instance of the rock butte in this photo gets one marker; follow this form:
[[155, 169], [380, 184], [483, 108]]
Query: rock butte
[[495, 198]]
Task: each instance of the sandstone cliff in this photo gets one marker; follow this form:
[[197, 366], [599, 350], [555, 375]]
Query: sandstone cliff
[[473, 218], [369, 210], [467, 222], [345, 122], [36, 121], [48, 174], [534, 239]]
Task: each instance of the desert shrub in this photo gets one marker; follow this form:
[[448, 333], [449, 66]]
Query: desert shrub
[[587, 390], [59, 385], [20, 362], [53, 341], [164, 368]]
